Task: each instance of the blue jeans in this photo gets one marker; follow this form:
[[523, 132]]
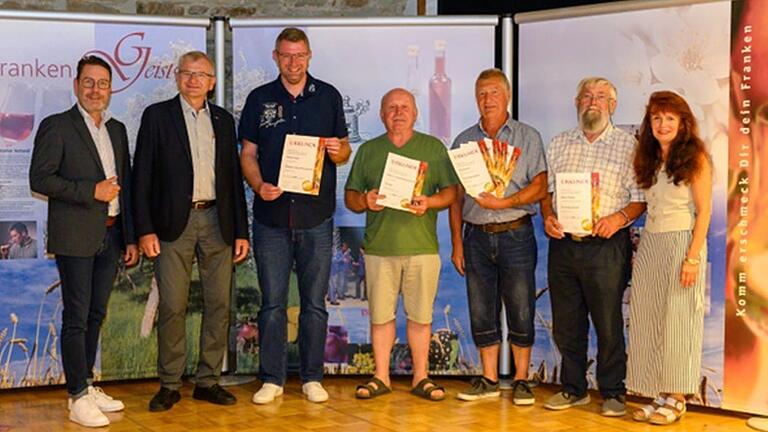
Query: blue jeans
[[276, 250], [86, 283], [500, 267]]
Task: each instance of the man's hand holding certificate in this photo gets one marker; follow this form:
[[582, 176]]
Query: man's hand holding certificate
[[485, 166], [301, 167], [577, 196], [403, 179]]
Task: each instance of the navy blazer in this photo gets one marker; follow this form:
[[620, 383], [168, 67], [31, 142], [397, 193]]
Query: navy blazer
[[66, 167], [164, 177]]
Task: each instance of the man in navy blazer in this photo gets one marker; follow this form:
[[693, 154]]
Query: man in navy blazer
[[81, 162], [189, 203]]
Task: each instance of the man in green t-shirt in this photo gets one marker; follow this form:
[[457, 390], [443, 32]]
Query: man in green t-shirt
[[401, 250]]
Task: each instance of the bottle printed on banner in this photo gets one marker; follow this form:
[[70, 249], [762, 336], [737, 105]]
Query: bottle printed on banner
[[440, 97], [413, 84]]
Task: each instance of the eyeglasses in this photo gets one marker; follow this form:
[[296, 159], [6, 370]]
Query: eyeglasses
[[601, 98], [298, 56], [189, 75], [90, 83]]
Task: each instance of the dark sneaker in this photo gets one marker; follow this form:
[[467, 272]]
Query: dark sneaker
[[614, 406], [521, 393], [164, 399], [214, 394], [565, 400], [481, 388]]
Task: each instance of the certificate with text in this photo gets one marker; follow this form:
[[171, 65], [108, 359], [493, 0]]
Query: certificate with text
[[576, 195], [301, 167], [472, 170], [403, 179]]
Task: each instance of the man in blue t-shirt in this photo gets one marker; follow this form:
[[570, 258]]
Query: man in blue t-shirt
[[290, 227]]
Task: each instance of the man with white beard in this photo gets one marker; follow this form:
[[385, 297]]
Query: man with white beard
[[588, 274]]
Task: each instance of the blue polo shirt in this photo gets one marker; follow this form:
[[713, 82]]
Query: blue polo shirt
[[269, 114]]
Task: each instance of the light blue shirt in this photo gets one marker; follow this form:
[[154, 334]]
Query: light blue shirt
[[532, 162]]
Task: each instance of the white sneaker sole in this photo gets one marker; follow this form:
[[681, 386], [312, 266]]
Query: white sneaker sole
[[524, 402], [469, 397], [104, 410], [93, 424]]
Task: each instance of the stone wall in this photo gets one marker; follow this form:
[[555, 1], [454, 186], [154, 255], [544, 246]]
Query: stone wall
[[232, 8]]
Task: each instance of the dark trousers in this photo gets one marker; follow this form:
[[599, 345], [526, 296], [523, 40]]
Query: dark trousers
[[86, 283], [587, 280]]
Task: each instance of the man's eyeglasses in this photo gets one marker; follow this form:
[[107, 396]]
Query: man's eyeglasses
[[90, 83], [298, 56], [189, 75], [601, 98]]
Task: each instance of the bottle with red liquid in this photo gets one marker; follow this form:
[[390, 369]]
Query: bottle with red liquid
[[440, 97]]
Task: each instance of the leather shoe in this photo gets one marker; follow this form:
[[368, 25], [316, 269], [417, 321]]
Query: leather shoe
[[214, 394], [164, 399]]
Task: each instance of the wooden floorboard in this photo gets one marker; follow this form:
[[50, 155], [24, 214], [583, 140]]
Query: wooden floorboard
[[44, 410]]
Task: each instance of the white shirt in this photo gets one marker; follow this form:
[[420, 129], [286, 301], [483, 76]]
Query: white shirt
[[103, 143]]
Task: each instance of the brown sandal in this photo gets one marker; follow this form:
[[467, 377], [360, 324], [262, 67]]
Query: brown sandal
[[375, 387], [424, 390]]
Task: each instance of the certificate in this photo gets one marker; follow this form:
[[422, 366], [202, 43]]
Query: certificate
[[577, 197], [301, 167], [472, 170], [403, 179]]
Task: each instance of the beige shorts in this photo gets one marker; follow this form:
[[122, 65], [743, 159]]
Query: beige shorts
[[414, 275]]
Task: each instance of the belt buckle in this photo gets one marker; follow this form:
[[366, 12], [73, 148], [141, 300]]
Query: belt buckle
[[198, 205], [577, 238]]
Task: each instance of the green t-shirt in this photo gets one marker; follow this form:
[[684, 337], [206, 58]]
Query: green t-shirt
[[392, 232]]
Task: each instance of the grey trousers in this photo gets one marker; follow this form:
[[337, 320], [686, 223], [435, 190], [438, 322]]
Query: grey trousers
[[202, 239]]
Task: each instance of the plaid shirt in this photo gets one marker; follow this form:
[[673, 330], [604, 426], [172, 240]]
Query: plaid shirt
[[610, 155]]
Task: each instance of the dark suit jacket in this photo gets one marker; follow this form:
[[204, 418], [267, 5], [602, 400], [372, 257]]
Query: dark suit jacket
[[66, 167], [163, 174]]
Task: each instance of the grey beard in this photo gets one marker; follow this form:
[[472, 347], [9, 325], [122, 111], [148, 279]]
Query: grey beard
[[593, 122]]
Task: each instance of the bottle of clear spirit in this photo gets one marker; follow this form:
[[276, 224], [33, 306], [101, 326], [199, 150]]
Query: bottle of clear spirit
[[440, 97], [413, 84]]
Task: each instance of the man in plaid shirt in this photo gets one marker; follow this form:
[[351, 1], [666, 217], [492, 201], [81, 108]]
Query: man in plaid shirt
[[588, 274]]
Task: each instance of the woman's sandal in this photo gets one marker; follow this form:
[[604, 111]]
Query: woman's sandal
[[671, 412], [425, 388], [646, 411], [375, 387]]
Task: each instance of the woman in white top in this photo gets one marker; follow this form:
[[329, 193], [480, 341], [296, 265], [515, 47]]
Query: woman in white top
[[666, 323]]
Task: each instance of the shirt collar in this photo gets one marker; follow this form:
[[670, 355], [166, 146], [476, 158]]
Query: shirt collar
[[603, 136], [310, 87], [186, 107], [507, 125], [105, 115]]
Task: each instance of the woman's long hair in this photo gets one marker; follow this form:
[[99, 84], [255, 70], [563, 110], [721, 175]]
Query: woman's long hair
[[684, 158]]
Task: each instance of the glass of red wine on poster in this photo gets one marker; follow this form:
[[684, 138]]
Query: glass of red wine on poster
[[17, 113]]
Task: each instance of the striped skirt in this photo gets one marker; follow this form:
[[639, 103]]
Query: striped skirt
[[666, 320]]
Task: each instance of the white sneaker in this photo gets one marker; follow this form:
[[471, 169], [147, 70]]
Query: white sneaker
[[103, 401], [314, 392], [85, 412], [267, 393]]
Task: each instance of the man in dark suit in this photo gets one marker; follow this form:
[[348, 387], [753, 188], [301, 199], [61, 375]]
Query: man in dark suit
[[189, 202], [81, 162]]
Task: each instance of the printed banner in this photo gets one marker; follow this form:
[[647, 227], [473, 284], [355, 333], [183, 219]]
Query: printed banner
[[746, 286], [36, 74], [438, 64], [684, 49]]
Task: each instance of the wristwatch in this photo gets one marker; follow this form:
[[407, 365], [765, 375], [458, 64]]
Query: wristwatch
[[692, 261]]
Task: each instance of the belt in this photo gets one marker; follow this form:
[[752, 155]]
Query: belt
[[111, 221], [499, 227], [201, 205]]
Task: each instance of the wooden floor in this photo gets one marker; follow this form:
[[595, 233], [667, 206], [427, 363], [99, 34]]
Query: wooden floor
[[45, 410]]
